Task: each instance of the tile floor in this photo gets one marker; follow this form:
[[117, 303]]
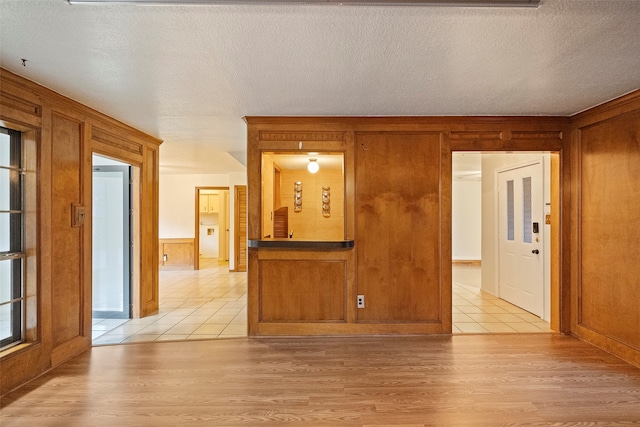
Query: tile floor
[[475, 311], [212, 303], [208, 303]]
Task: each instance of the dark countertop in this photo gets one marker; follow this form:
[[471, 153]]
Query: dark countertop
[[301, 244]]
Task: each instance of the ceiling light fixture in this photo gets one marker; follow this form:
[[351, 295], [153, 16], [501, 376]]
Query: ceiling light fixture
[[447, 3], [313, 166]]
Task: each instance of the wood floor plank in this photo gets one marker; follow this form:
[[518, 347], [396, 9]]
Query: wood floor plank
[[464, 380]]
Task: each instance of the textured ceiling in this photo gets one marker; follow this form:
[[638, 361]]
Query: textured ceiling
[[188, 74]]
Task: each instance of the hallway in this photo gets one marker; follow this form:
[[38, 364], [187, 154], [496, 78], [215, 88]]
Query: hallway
[[203, 304]]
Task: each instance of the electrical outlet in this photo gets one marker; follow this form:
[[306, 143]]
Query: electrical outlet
[[360, 301]]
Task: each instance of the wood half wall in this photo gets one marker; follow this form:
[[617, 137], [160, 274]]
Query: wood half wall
[[65, 134]]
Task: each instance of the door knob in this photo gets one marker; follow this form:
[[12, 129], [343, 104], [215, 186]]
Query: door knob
[[535, 251]]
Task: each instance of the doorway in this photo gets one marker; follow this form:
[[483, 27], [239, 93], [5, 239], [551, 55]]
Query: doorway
[[477, 265], [112, 239], [212, 225]]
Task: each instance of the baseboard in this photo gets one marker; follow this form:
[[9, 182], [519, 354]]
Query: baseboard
[[474, 262]]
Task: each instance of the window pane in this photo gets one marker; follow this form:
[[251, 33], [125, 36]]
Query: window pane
[[5, 280], [5, 150], [11, 239], [5, 187], [510, 212], [5, 322], [5, 241], [526, 210]]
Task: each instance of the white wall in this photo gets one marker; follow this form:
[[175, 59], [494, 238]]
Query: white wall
[[466, 220], [490, 164], [177, 203]]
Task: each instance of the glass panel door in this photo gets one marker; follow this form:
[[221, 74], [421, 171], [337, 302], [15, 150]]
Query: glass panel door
[[111, 242]]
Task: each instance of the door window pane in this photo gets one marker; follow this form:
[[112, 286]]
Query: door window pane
[[510, 211]]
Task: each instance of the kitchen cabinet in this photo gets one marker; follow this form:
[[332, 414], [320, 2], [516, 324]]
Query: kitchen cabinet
[[209, 203]]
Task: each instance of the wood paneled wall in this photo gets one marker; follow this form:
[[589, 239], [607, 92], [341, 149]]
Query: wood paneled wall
[[398, 227], [65, 134], [606, 236], [180, 254], [397, 209]]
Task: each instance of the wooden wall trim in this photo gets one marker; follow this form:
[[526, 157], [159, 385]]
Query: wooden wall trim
[[27, 111], [63, 101], [390, 123], [609, 344], [109, 140], [607, 110]]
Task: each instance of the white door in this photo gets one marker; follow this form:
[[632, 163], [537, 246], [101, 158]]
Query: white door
[[520, 217]]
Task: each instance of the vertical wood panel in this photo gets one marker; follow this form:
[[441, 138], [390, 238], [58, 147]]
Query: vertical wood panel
[[555, 241], [610, 228], [299, 290], [445, 240], [149, 233], [398, 226], [240, 227], [67, 292], [254, 185]]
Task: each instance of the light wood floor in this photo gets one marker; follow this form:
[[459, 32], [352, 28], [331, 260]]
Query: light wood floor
[[460, 380]]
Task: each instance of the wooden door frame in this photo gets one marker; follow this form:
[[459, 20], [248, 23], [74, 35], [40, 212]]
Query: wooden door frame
[[236, 227], [196, 240], [560, 298]]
